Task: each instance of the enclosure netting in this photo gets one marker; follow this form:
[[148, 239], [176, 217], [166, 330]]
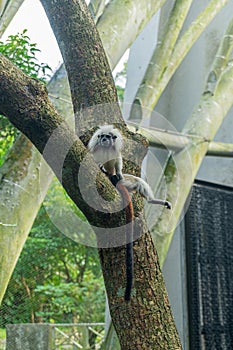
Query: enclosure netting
[[209, 237]]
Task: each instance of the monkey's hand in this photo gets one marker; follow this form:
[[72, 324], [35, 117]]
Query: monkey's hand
[[119, 176], [167, 205], [114, 179]]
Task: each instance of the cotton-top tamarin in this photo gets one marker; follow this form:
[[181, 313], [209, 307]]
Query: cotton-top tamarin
[[106, 146]]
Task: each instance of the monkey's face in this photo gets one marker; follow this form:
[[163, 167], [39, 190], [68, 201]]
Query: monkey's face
[[107, 140]]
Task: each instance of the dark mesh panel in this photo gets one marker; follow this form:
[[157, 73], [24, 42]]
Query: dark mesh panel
[[209, 237]]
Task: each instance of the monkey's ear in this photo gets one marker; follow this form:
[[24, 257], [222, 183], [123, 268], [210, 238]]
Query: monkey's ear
[[98, 136], [114, 137]]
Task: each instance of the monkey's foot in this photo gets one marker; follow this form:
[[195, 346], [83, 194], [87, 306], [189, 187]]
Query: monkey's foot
[[166, 204]]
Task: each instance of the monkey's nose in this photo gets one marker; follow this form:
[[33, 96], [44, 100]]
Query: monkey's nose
[[104, 141]]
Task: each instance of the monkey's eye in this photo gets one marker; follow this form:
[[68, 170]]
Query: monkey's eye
[[105, 136]]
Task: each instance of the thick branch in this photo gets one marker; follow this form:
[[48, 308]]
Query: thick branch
[[31, 112], [175, 141], [91, 65]]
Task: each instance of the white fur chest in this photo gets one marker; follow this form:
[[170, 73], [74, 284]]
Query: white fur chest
[[104, 155]]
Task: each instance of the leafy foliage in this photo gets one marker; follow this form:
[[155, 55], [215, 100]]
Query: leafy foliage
[[120, 81], [2, 338], [55, 279], [7, 136], [22, 53]]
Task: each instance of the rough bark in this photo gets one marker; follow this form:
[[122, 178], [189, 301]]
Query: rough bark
[[82, 56], [138, 324], [32, 113]]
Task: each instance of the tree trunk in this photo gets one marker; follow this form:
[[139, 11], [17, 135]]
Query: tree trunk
[[31, 111], [146, 322]]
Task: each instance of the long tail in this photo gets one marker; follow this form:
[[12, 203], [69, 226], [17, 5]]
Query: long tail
[[129, 239], [129, 271]]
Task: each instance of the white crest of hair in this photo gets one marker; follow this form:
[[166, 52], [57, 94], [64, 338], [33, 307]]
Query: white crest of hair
[[105, 129], [109, 156], [134, 183]]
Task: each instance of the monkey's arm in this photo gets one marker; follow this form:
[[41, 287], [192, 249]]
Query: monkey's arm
[[118, 167]]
